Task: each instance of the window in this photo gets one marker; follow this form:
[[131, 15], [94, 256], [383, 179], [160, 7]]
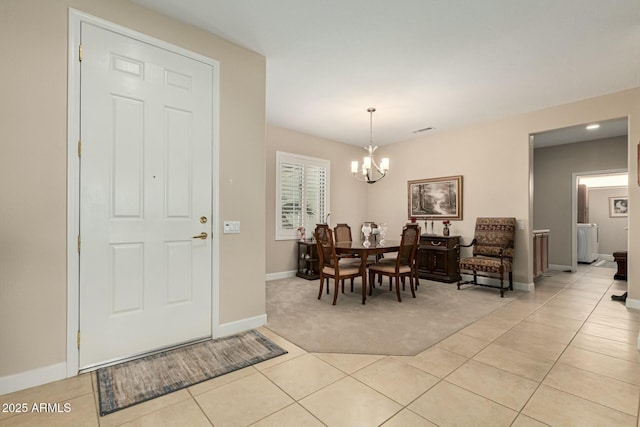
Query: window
[[302, 194]]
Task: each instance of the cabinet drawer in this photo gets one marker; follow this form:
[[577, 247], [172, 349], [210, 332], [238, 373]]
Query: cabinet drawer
[[443, 242]]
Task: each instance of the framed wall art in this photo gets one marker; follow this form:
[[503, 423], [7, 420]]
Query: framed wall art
[[435, 198], [618, 206]]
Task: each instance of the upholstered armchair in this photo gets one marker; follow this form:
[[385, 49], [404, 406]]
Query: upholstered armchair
[[493, 250]]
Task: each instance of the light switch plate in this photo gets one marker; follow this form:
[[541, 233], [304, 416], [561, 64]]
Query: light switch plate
[[520, 224], [231, 227]]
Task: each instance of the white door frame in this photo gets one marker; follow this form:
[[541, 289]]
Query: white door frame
[[73, 175], [574, 208]]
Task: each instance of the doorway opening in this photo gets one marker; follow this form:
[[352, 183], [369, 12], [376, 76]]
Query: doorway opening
[[575, 152]]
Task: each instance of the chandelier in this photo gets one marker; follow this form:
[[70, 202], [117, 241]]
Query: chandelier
[[371, 172]]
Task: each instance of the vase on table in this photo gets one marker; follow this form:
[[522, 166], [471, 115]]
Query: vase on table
[[445, 230], [366, 230]]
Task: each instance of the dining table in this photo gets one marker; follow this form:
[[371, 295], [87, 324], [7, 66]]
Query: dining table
[[363, 250]]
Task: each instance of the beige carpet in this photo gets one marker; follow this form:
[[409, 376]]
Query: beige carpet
[[383, 325]]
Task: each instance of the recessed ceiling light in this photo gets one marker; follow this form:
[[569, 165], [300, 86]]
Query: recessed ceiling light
[[593, 126]]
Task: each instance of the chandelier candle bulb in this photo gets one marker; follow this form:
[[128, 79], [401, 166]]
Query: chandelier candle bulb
[[366, 163], [384, 164], [354, 166]]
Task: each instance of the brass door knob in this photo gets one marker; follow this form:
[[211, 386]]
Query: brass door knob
[[202, 236]]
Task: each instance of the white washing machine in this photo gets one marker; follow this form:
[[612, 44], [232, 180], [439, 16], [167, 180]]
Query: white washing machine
[[588, 243]]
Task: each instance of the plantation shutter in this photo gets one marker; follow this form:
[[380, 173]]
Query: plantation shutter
[[302, 194]]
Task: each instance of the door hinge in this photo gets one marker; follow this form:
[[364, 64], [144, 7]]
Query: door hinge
[[79, 148], [80, 53], [78, 340], [78, 243]]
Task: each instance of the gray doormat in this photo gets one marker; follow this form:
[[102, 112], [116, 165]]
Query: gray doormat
[[137, 381]]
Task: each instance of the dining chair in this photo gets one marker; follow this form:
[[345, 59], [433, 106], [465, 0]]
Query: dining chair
[[342, 233], [330, 265], [392, 260], [404, 265]]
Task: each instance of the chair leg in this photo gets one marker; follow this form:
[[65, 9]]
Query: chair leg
[[502, 288], [335, 290], [343, 286], [510, 280], [352, 284], [398, 289], [411, 285], [327, 286], [321, 286], [372, 277]]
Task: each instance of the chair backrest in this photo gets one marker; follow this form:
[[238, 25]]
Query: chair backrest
[[408, 244], [342, 233], [493, 235], [324, 242]]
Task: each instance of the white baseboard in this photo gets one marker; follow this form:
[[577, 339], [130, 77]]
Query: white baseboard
[[281, 275], [32, 378], [559, 267], [528, 287], [633, 303], [240, 326]]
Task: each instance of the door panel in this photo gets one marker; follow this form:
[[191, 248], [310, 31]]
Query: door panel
[[145, 181]]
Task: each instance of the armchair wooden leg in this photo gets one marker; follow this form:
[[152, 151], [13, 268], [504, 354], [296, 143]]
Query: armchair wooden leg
[[335, 290], [398, 289]]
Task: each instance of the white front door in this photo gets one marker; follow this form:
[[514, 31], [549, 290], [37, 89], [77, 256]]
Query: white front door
[[145, 192]]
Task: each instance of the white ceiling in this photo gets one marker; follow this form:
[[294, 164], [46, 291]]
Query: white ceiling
[[423, 63], [606, 129]]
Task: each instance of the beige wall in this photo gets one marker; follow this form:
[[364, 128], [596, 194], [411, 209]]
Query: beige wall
[[348, 197], [493, 157], [493, 165], [33, 111], [553, 186], [612, 231], [496, 161]]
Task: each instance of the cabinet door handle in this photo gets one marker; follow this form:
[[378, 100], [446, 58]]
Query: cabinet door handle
[[436, 243]]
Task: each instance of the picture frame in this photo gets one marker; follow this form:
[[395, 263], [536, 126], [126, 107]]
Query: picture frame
[[435, 198], [618, 206]]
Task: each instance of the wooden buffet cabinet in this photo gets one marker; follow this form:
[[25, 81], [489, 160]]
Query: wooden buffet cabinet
[[437, 259]]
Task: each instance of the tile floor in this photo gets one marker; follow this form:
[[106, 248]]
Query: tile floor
[[564, 355]]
